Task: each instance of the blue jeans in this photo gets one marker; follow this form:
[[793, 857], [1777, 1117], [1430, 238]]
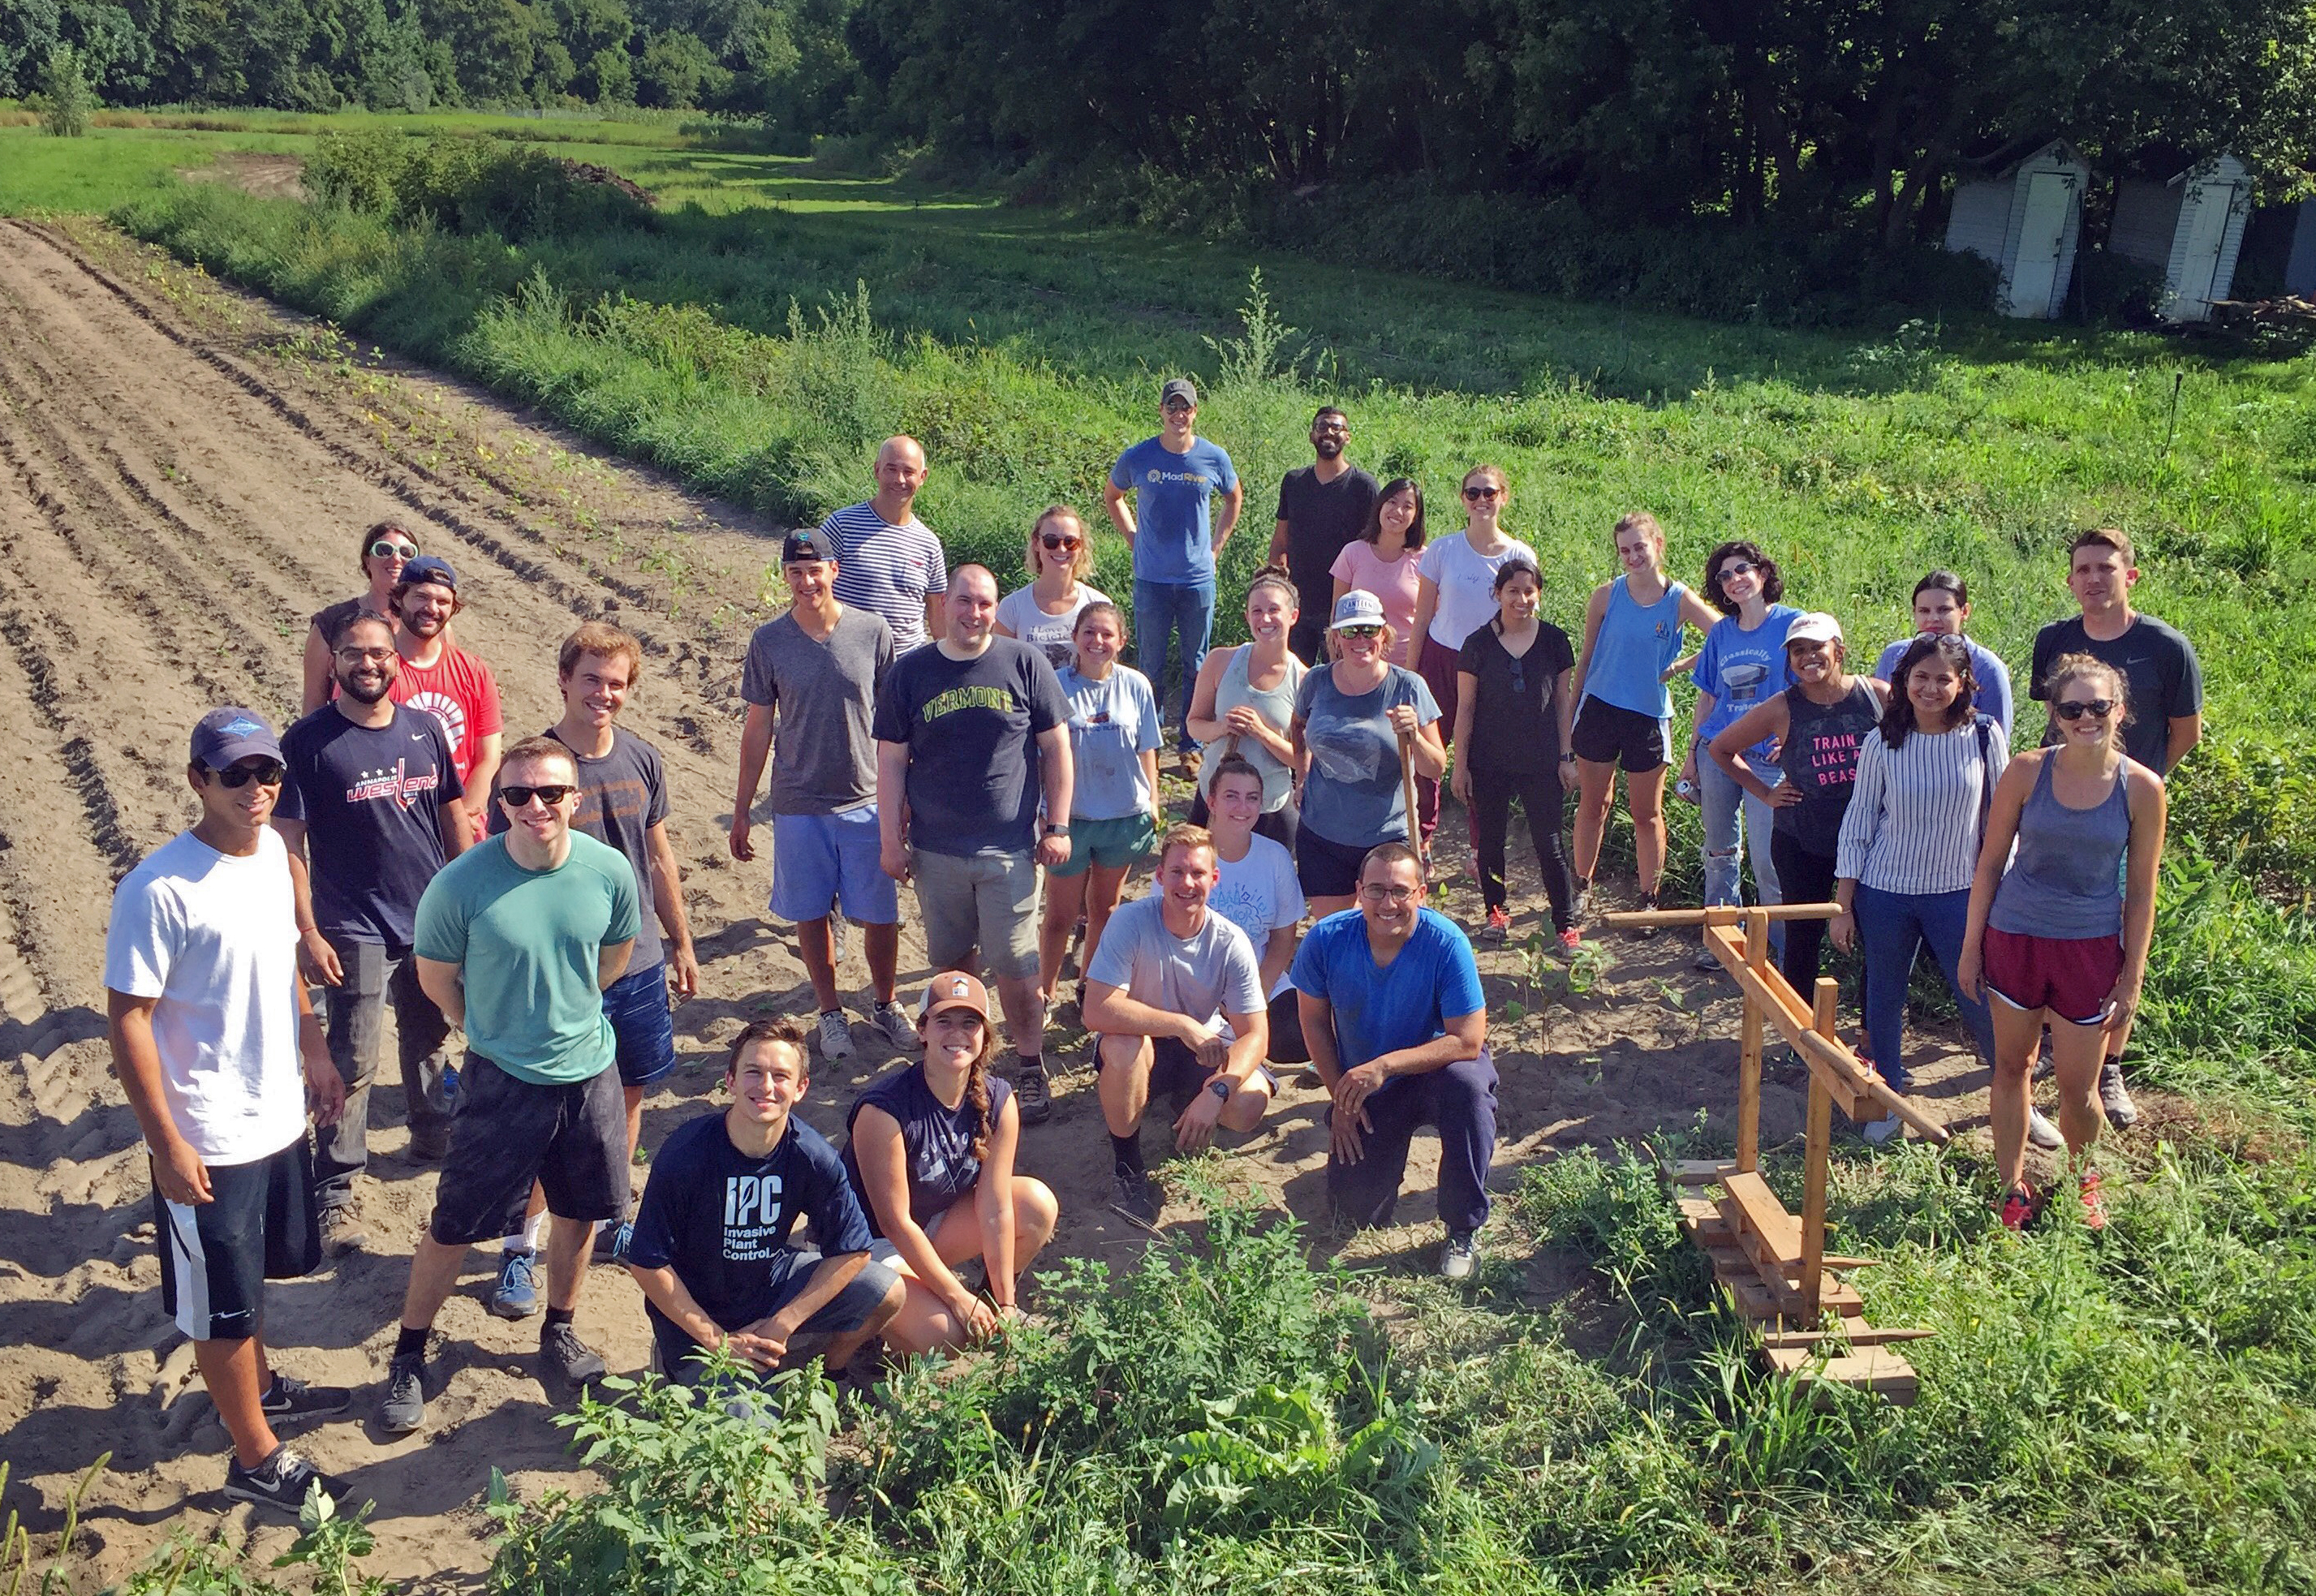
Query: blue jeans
[[1892, 927], [1736, 824], [1163, 610]]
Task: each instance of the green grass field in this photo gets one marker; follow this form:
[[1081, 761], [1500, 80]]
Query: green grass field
[[2130, 1413]]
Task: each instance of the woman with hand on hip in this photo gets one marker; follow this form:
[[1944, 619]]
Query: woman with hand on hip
[[1059, 559], [1456, 595], [1245, 700]]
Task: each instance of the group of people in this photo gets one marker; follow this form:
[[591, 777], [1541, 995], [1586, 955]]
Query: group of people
[[995, 752]]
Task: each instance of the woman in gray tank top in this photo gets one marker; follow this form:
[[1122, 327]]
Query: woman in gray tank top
[[2050, 937], [1244, 699]]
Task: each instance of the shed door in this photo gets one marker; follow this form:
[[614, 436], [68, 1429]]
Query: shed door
[[2034, 275], [2207, 230]]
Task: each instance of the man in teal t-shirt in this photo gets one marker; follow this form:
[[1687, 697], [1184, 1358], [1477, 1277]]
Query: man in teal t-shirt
[[516, 940]]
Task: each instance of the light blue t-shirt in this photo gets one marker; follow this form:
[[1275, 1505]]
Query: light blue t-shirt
[[1354, 795], [1404, 1004], [1174, 494], [1993, 695], [1113, 722], [1742, 669]]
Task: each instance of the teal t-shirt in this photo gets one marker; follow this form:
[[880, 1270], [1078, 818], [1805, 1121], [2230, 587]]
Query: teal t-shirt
[[527, 940]]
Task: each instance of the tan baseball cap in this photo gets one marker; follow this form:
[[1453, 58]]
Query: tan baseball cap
[[953, 989]]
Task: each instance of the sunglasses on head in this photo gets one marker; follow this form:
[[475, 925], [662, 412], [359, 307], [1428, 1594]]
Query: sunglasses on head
[[387, 549], [266, 772], [1478, 491], [1058, 541], [2076, 709], [519, 798]]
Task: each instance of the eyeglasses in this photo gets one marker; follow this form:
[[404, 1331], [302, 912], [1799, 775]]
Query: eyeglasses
[[1055, 541], [519, 798], [2076, 709], [1173, 404], [387, 549], [265, 773], [354, 655], [1735, 567], [1358, 631], [1379, 892], [1477, 494]]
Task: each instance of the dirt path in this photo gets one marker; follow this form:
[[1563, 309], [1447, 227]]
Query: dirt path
[[182, 475]]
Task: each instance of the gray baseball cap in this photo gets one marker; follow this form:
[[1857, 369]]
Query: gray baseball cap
[[1177, 387]]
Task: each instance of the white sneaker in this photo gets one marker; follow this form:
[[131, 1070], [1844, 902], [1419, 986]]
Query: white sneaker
[[1879, 1132], [836, 1035], [2041, 1132], [1460, 1257]]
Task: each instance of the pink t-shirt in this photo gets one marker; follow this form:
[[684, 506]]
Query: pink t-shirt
[[1391, 581]]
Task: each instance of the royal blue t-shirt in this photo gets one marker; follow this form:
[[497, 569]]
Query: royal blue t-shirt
[[1406, 1004], [1742, 669], [1173, 495], [722, 1219], [371, 800], [936, 1138]]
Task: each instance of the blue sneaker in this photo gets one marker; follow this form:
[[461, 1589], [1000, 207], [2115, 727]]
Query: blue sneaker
[[516, 1294], [611, 1241]]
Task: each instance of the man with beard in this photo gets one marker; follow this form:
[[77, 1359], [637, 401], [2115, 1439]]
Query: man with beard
[[445, 679], [1322, 507], [372, 801]]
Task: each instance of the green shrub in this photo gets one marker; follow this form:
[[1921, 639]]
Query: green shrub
[[472, 186], [66, 100]]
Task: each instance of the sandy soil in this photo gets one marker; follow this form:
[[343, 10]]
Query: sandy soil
[[182, 473]]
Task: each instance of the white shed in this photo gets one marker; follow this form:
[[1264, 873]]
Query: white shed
[[2191, 227], [2025, 219]]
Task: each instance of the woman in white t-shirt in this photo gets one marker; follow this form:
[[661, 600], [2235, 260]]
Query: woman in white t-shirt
[[1256, 890], [1045, 613], [1385, 558], [1457, 596]]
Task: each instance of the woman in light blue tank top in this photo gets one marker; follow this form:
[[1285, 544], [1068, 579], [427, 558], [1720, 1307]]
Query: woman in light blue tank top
[[1632, 640], [2050, 938], [1231, 713]]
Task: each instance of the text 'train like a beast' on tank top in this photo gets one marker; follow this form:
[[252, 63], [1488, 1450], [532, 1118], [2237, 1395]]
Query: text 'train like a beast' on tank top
[[1635, 646], [1820, 759], [2061, 881]]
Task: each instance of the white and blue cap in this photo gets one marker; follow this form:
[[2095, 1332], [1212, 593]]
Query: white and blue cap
[[223, 737], [1357, 609]]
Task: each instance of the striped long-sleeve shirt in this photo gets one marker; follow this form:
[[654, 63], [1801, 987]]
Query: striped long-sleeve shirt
[[1913, 823]]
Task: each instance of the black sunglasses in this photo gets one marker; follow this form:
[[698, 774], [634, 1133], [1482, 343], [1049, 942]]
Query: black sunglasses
[[2075, 709], [1482, 492], [519, 798], [1052, 540], [265, 773]]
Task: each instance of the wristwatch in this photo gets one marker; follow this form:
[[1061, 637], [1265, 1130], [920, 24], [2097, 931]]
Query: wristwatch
[[1220, 1088], [1057, 830]]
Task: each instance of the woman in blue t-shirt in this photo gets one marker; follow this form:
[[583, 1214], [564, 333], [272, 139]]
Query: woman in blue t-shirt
[[931, 1152], [1741, 663]]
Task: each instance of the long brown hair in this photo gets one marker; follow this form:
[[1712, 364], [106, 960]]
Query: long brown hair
[[1898, 714], [977, 1082]]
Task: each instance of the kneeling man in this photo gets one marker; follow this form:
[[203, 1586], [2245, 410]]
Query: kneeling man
[[1175, 994], [711, 1248], [1398, 1030]]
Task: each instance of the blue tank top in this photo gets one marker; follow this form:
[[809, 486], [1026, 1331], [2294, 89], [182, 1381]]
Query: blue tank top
[[937, 1139], [1632, 649], [2061, 881]]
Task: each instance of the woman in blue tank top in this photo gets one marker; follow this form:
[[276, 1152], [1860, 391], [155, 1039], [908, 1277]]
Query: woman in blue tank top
[[931, 1152], [2050, 938], [1632, 641]]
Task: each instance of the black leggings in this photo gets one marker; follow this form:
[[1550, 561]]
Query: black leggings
[[1540, 796], [1803, 877]]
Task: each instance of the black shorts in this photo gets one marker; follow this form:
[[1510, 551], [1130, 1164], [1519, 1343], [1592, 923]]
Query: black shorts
[[508, 1132], [1610, 734], [261, 1225], [1324, 868], [1177, 1076]]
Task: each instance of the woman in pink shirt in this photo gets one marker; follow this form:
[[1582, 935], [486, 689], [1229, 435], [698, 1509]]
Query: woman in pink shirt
[[1383, 560]]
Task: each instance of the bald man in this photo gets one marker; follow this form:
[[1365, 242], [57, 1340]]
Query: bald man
[[886, 559]]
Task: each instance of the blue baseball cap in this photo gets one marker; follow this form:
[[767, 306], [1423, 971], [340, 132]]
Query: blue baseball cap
[[430, 568], [223, 737]]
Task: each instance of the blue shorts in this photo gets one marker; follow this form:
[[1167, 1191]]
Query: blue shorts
[[842, 1315], [643, 1025], [822, 860]]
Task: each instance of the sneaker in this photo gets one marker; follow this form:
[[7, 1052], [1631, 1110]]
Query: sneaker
[[1031, 1094], [1133, 1195], [404, 1409], [516, 1294], [2041, 1132], [281, 1481], [292, 1398], [2094, 1204], [567, 1358], [2121, 1112], [611, 1241], [1570, 939], [1707, 960], [836, 1035], [893, 1022], [2019, 1207], [1880, 1132], [342, 1233], [1641, 933], [1499, 926], [1460, 1257], [1579, 907]]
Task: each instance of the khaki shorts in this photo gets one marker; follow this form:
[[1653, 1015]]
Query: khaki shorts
[[989, 902]]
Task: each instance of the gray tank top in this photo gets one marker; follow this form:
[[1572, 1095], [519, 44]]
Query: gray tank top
[[2063, 883], [1277, 708]]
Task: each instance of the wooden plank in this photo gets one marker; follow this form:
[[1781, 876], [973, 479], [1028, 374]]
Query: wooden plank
[[1749, 1051], [1876, 1370], [1717, 914], [1859, 1335], [1819, 1151], [1751, 1206], [1697, 1171]]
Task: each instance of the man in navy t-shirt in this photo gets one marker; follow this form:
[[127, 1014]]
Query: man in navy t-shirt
[[1175, 537], [1398, 1030], [372, 798], [711, 1248]]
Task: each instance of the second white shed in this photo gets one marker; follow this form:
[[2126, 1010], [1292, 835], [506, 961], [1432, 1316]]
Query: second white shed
[[2191, 227], [2025, 219]]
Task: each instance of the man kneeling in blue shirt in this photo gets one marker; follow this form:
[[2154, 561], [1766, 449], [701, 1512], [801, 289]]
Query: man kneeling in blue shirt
[[711, 1241], [1398, 1030]]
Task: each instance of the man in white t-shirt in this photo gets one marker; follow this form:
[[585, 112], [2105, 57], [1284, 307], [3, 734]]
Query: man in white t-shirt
[[1175, 995], [220, 1054], [887, 561]]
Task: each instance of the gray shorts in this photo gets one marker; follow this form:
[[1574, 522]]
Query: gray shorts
[[988, 901]]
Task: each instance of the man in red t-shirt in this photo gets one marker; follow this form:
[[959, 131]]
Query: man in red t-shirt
[[443, 678]]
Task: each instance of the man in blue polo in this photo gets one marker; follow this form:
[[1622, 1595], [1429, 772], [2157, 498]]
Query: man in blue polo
[[1176, 538]]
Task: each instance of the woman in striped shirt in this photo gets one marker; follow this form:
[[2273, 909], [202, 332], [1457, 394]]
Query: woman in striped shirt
[[1909, 844]]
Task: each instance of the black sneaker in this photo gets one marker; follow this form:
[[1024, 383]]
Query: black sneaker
[[293, 1398], [611, 1241], [1135, 1197], [281, 1482], [567, 1358], [1031, 1095], [404, 1407]]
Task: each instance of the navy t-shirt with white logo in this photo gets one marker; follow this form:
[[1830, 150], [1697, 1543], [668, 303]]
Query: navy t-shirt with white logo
[[722, 1220], [372, 799]]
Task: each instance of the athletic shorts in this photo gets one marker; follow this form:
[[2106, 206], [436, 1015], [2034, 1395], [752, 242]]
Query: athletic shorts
[[1177, 1076], [1113, 844], [988, 901], [643, 1025], [571, 1137], [674, 1353], [2071, 976], [1610, 734], [824, 861], [261, 1225], [1325, 868]]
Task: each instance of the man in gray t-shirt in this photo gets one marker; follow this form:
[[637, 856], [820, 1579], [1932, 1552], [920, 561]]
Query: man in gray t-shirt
[[811, 683], [1175, 994]]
